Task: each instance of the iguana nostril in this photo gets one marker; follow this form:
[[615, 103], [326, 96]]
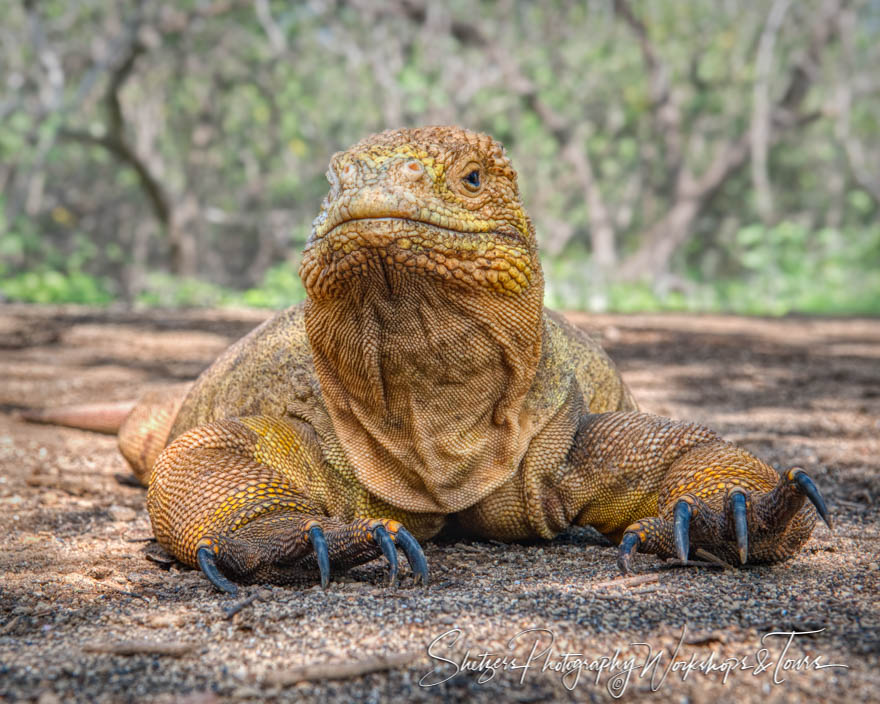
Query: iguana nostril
[[413, 170]]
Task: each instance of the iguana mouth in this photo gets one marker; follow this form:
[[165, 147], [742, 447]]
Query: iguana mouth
[[509, 234]]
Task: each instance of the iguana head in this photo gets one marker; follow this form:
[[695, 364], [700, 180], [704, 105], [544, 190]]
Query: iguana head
[[441, 203], [424, 315]]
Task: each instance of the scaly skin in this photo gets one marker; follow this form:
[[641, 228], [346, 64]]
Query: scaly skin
[[424, 384]]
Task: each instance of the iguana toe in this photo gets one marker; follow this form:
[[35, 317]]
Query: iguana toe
[[390, 534], [734, 523], [283, 548]]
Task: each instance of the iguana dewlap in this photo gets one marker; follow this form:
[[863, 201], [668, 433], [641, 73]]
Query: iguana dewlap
[[422, 384]]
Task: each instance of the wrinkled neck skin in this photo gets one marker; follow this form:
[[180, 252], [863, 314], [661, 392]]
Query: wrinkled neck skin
[[425, 378]]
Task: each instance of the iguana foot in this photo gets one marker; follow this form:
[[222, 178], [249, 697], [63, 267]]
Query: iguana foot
[[736, 524], [284, 547]]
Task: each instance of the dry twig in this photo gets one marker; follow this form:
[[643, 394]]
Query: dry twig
[[140, 647], [648, 589], [230, 611], [672, 564], [339, 670], [633, 581], [9, 625], [706, 555]]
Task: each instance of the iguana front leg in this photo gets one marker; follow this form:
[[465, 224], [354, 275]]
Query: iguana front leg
[[669, 488], [657, 486], [251, 500]]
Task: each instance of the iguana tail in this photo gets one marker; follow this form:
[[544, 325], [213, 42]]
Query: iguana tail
[[144, 433], [142, 426], [99, 417]]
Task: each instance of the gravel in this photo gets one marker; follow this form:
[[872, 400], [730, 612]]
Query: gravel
[[80, 574]]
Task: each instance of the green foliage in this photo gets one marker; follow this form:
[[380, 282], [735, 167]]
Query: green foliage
[[280, 287], [791, 267], [167, 291], [53, 286], [787, 268]]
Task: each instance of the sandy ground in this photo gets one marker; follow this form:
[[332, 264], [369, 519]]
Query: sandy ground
[[80, 575]]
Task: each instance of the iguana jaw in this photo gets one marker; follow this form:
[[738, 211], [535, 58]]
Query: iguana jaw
[[360, 251]]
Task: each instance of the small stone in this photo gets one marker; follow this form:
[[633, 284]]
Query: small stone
[[122, 513], [99, 572], [166, 620], [49, 498], [247, 693]]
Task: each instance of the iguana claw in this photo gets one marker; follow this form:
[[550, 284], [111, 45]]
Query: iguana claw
[[319, 543], [628, 546], [403, 539], [414, 554], [208, 564], [741, 526], [811, 491], [681, 528], [380, 535]]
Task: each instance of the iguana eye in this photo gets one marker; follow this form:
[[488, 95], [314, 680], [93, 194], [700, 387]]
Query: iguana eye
[[472, 180]]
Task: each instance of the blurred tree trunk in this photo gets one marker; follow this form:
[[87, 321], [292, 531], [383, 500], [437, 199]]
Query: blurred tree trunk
[[183, 247], [693, 192], [175, 218]]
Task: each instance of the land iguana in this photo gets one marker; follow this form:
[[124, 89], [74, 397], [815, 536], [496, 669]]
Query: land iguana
[[423, 385]]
